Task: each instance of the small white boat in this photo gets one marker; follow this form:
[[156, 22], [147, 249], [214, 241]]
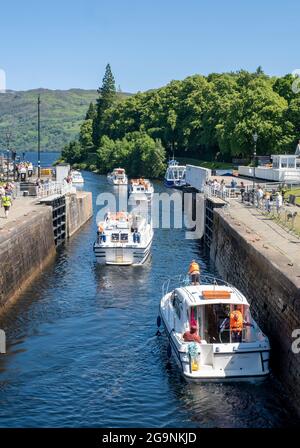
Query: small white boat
[[123, 239], [140, 188], [117, 177], [230, 344], [76, 177], [175, 175]]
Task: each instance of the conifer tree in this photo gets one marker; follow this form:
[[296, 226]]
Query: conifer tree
[[107, 96]]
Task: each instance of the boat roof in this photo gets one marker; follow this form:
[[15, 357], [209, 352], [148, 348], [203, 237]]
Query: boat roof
[[176, 167], [204, 294]]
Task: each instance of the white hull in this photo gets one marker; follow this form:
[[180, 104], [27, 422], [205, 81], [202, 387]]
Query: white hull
[[117, 183], [140, 196], [77, 181], [217, 361], [77, 177], [124, 255], [117, 177]]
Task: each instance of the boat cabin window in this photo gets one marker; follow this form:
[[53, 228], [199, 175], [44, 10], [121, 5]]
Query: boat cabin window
[[115, 237], [177, 304], [124, 237], [283, 163], [215, 325]]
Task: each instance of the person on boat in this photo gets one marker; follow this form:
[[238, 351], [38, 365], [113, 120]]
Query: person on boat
[[101, 232], [194, 272], [237, 323], [191, 335]]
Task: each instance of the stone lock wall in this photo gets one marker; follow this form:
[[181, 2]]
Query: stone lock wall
[[271, 287], [27, 244], [79, 210], [26, 247]]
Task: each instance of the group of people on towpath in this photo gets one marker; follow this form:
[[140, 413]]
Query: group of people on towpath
[[261, 197], [24, 170], [265, 199]]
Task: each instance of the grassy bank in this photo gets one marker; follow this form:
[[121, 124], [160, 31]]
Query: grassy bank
[[295, 192]]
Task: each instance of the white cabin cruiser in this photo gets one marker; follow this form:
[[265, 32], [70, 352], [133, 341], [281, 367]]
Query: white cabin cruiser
[[76, 177], [230, 344], [117, 177], [140, 188], [123, 239], [175, 175]]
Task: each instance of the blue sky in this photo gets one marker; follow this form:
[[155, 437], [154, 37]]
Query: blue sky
[[64, 44]]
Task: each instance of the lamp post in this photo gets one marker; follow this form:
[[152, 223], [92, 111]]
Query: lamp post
[[255, 137], [7, 162], [13, 157], [39, 138], [8, 137]]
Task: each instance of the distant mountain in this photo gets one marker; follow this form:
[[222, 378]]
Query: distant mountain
[[62, 112]]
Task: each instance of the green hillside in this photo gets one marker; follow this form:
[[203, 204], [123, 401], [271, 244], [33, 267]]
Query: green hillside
[[62, 112]]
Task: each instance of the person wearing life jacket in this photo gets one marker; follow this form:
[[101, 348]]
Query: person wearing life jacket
[[236, 324], [6, 203], [194, 272], [101, 232]]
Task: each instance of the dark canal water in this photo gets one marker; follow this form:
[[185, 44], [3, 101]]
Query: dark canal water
[[82, 349]]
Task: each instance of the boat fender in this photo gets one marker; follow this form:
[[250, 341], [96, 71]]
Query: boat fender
[[158, 322], [169, 351]]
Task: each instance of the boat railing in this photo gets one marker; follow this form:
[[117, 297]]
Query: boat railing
[[182, 280], [54, 188], [224, 193], [249, 333]]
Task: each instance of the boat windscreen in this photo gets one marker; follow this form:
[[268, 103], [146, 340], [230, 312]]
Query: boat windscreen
[[216, 322]]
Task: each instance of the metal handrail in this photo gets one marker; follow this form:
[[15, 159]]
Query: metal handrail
[[206, 279], [51, 188]]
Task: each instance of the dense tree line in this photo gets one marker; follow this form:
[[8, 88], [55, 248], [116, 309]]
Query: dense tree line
[[208, 117]]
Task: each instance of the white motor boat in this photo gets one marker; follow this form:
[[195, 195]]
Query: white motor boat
[[140, 188], [230, 344], [76, 177], [117, 177], [175, 175], [123, 239]]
